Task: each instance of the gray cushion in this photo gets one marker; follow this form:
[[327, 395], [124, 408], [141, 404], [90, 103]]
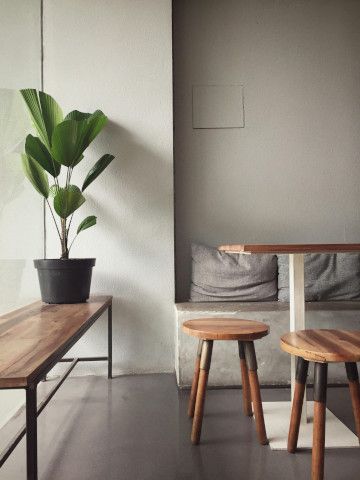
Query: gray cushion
[[221, 277], [327, 277]]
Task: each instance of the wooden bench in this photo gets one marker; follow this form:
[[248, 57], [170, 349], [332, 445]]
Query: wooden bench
[[32, 340]]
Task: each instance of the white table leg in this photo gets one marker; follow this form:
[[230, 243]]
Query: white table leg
[[277, 414], [297, 310]]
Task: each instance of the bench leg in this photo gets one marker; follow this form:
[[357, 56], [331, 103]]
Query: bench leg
[[110, 341], [205, 361], [255, 392], [246, 394], [298, 400], [31, 433], [318, 449], [353, 378], [195, 381]]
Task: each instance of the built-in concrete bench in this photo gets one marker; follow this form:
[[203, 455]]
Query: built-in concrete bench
[[274, 365]]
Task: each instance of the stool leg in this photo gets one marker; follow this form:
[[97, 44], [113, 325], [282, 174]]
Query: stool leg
[[298, 400], [246, 394], [205, 361], [195, 381], [353, 377], [318, 449], [255, 392]]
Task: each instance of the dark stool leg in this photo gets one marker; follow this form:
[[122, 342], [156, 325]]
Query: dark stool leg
[[195, 381], [298, 400], [205, 361], [353, 377], [255, 391], [247, 408], [318, 449]]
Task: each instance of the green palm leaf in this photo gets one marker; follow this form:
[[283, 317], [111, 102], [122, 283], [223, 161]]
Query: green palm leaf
[[67, 200], [71, 137], [51, 112], [95, 123], [86, 223], [98, 168], [32, 102], [44, 111], [35, 149], [66, 142], [36, 175], [76, 115]]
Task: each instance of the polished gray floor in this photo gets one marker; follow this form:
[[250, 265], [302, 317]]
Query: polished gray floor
[[136, 428]]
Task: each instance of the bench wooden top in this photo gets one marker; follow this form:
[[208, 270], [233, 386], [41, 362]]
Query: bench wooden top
[[323, 345], [225, 329], [291, 248], [36, 336]]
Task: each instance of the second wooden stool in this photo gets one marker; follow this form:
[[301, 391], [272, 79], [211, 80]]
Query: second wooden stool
[[245, 332], [321, 347]]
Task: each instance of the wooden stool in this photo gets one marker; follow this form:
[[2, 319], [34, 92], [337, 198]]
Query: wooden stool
[[245, 332], [321, 347]]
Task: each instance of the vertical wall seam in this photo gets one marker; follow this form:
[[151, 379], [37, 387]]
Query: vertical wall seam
[[42, 88], [42, 44]]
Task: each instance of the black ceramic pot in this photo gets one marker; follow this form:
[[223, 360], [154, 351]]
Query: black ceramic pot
[[65, 281]]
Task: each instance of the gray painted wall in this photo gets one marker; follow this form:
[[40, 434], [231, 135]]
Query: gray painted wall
[[292, 174]]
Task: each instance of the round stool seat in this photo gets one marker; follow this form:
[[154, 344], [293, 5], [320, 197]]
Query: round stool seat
[[225, 329], [323, 345]]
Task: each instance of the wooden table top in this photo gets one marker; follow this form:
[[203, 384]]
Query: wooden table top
[[225, 329], [323, 345], [291, 248], [40, 334]]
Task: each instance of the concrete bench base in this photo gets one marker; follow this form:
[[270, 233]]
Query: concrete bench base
[[274, 365]]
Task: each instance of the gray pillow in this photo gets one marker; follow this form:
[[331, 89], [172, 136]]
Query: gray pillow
[[327, 277], [221, 277]]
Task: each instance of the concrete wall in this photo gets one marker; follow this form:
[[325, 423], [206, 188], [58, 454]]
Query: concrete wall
[[117, 56], [21, 237], [292, 174], [273, 363]]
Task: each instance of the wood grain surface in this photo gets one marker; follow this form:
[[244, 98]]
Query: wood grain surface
[[225, 329], [37, 334], [291, 248], [323, 345]]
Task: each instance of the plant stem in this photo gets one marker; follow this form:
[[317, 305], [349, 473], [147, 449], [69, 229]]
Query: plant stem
[[71, 244], [68, 229], [67, 178], [64, 247], [52, 214]]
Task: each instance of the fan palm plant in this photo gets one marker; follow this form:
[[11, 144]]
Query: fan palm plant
[[60, 144]]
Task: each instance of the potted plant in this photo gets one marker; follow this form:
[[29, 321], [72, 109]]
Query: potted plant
[[54, 153]]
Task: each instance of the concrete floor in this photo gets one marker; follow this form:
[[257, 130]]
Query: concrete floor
[[136, 428]]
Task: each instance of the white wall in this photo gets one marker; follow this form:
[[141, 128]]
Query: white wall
[[116, 55], [292, 174], [21, 237]]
